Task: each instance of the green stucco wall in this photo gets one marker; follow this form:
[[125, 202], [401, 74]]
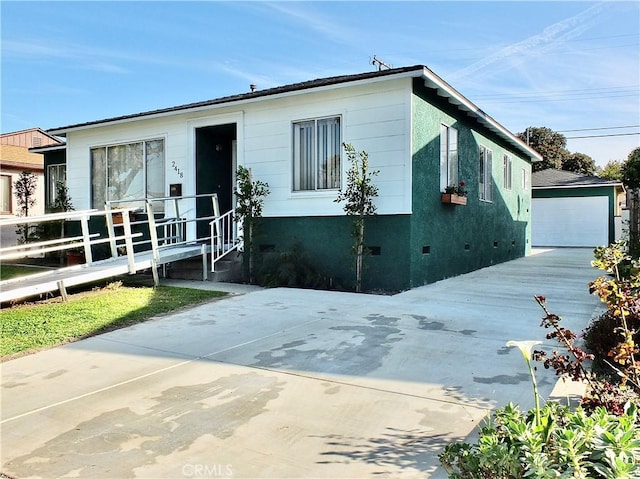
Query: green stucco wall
[[460, 239], [608, 191], [327, 242]]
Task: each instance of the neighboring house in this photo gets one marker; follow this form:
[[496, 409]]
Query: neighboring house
[[19, 152], [31, 138], [13, 161], [418, 131], [572, 209]]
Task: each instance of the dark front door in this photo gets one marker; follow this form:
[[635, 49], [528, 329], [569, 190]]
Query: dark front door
[[214, 170]]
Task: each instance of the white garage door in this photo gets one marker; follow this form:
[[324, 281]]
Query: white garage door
[[570, 221]]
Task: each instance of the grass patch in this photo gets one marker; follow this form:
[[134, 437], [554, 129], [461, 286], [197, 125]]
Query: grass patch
[[38, 325], [8, 271]]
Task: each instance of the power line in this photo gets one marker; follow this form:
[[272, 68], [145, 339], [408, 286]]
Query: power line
[[601, 136], [603, 128], [559, 92]]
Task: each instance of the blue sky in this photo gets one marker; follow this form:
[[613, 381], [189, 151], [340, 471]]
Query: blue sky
[[563, 65]]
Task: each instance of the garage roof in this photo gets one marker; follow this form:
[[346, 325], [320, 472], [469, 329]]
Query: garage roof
[[552, 178]]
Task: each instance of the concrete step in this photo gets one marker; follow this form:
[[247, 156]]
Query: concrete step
[[228, 269]]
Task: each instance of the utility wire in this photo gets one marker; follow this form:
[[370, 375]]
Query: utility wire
[[603, 128], [601, 136], [560, 92]]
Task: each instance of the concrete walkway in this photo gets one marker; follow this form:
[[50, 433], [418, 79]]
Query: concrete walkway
[[285, 383]]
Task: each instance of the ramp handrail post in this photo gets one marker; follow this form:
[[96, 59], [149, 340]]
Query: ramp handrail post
[[86, 238], [153, 232], [216, 212], [178, 225], [111, 230], [205, 273], [128, 241]]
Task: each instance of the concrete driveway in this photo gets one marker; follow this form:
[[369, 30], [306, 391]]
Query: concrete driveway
[[286, 383]]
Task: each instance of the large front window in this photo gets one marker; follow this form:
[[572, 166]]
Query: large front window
[[316, 154], [130, 171], [448, 157]]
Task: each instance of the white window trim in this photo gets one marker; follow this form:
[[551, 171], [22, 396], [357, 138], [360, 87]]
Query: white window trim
[[447, 179], [144, 163], [323, 192], [485, 191], [507, 172], [10, 195], [52, 187]]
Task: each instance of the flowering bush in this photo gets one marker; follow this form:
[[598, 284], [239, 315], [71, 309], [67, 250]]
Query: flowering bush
[[456, 189]]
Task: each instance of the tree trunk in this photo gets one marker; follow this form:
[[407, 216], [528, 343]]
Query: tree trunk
[[359, 254]]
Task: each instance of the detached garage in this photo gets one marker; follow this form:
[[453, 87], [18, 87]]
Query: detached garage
[[570, 209]]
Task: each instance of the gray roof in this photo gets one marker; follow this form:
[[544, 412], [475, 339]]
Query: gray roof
[[431, 80], [294, 87], [552, 178]]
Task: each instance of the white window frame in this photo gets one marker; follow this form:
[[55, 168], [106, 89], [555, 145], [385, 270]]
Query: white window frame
[[485, 174], [7, 193], [55, 173], [312, 182], [145, 174], [448, 156], [507, 163], [525, 179]]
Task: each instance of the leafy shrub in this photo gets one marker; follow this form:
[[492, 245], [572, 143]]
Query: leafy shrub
[[561, 443], [602, 335], [620, 291], [291, 269]]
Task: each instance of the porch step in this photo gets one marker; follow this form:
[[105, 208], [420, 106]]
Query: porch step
[[227, 270]]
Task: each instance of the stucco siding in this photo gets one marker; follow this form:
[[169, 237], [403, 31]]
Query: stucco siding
[[327, 244], [448, 240]]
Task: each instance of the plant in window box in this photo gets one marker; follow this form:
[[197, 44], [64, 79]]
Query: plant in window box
[[455, 194]]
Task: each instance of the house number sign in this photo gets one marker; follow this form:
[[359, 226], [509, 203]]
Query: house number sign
[[175, 167]]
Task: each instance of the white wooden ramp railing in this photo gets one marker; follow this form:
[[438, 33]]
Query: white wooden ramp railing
[[140, 234], [224, 237]]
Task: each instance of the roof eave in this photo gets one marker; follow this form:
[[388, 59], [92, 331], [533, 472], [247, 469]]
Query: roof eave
[[462, 103], [44, 149], [558, 187]]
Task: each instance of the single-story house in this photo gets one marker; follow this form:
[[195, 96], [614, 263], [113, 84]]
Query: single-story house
[[19, 151], [13, 161], [420, 133], [572, 209]]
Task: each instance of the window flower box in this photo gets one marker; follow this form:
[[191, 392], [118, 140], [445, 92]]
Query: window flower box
[[455, 194], [453, 199]]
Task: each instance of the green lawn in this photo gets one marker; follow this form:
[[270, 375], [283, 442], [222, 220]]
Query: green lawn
[[8, 271], [32, 326]]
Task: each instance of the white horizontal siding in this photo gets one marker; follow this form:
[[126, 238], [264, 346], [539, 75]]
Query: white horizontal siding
[[376, 118]]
